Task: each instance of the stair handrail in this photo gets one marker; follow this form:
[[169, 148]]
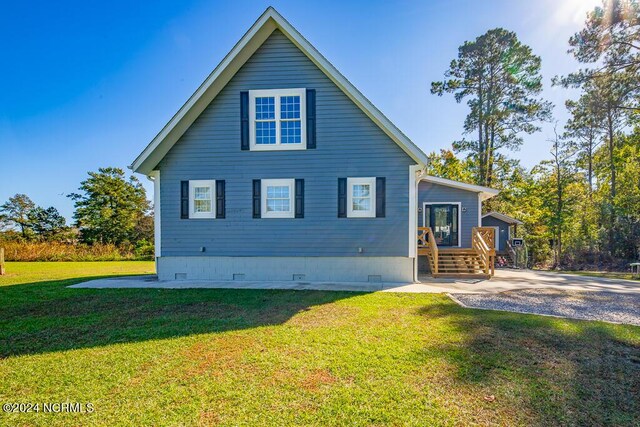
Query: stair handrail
[[426, 236], [488, 234], [512, 253], [482, 248]]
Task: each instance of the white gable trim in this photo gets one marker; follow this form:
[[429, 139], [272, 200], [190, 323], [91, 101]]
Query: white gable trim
[[241, 52], [485, 192]]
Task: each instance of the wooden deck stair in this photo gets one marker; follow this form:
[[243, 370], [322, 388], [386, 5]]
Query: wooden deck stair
[[476, 262], [458, 263], [505, 259]]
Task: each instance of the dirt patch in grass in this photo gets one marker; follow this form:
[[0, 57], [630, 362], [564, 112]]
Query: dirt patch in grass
[[325, 316], [316, 379], [209, 418], [216, 356]]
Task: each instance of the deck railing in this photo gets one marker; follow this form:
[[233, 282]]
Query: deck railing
[[483, 242], [488, 235], [426, 239], [512, 253]]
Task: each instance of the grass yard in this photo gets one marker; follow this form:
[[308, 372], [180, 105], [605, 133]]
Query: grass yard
[[233, 357]]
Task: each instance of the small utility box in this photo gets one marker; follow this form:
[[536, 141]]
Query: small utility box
[[517, 243]]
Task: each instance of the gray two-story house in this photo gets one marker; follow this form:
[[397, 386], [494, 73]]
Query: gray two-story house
[[278, 168]]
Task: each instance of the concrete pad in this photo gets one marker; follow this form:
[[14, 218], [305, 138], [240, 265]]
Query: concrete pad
[[503, 281], [151, 282], [510, 280]]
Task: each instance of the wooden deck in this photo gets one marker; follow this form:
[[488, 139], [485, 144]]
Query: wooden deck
[[477, 261]]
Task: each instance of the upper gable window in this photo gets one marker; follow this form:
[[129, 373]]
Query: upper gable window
[[277, 119]]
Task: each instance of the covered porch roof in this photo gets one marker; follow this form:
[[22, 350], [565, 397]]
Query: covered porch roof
[[503, 218], [485, 192]]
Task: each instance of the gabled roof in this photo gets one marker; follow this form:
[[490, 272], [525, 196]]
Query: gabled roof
[[503, 218], [269, 21], [485, 192]]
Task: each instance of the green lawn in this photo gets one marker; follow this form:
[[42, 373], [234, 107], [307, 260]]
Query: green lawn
[[607, 274], [238, 357]]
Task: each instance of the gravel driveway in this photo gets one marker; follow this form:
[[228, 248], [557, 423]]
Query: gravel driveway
[[589, 305]]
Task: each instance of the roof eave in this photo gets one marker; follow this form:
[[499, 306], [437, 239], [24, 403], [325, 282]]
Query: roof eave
[[211, 86], [503, 218], [485, 192]]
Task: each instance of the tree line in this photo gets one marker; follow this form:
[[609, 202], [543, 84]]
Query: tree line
[[109, 209], [580, 206]]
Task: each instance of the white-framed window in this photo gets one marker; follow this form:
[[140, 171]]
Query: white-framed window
[[277, 119], [202, 198], [361, 197], [278, 198]]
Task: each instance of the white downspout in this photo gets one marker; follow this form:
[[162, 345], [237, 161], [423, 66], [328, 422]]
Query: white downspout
[[154, 176], [415, 175]]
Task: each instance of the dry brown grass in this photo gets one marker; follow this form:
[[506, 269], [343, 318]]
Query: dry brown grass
[[318, 378], [57, 251]]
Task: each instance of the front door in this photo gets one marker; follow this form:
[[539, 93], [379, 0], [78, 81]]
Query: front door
[[443, 220]]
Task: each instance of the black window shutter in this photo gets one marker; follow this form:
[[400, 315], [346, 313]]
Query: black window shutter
[[380, 197], [256, 198], [220, 197], [299, 211], [184, 199], [342, 197], [244, 120], [311, 118]]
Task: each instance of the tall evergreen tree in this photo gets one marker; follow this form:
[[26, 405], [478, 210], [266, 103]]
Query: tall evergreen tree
[[500, 78], [610, 41]]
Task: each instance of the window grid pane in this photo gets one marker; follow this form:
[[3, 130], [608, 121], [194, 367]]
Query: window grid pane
[[289, 107], [266, 132], [202, 193], [290, 132], [361, 204], [361, 190], [266, 108], [202, 206]]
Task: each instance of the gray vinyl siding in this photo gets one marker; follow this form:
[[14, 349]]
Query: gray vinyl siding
[[503, 232], [430, 193], [349, 144]]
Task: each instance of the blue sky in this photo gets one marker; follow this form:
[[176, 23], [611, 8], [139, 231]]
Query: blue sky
[[86, 84]]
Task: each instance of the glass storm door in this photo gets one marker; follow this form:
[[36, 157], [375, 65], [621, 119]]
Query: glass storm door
[[443, 220]]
